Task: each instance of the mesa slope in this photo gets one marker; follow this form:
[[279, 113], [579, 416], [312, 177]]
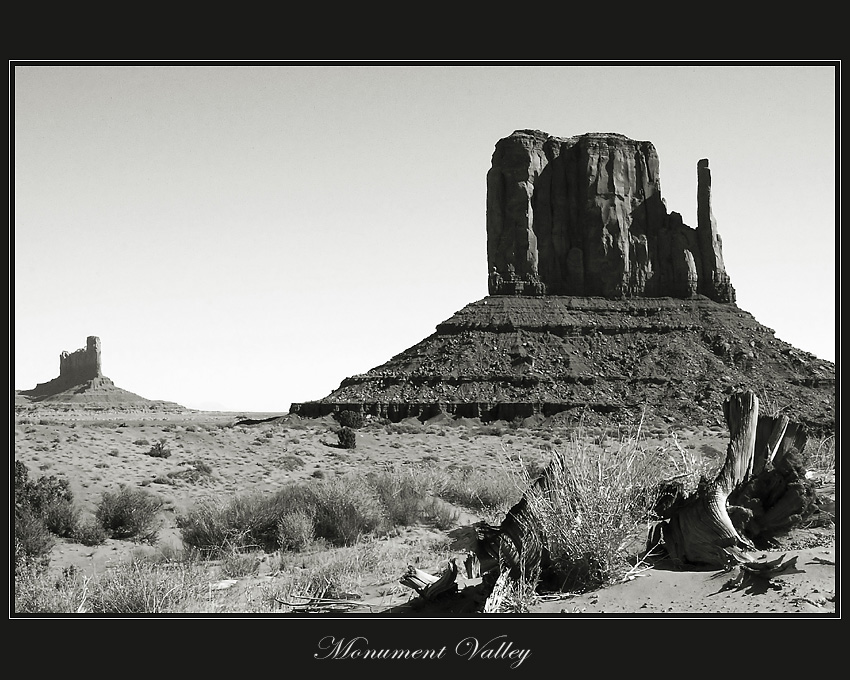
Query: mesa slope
[[508, 357]]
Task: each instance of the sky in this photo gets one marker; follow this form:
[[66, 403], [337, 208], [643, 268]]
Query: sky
[[242, 237]]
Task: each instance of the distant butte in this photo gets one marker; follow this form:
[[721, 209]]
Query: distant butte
[[81, 381], [600, 302]]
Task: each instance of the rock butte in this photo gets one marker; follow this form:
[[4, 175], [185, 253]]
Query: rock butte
[[81, 381], [600, 302]]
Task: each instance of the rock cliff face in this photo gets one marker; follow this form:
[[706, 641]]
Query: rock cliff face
[[584, 216], [82, 365]]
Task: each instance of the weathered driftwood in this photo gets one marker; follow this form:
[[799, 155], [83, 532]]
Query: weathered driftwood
[[429, 586], [758, 492]]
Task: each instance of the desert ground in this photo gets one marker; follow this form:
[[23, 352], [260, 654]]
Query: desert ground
[[99, 449]]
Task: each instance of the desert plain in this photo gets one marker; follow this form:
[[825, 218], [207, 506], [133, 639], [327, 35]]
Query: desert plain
[[100, 449]]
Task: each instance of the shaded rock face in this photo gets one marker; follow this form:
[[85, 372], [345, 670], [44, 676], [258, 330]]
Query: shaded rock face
[[584, 216], [82, 365]]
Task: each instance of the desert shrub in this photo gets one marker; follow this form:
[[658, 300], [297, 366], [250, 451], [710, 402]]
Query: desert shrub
[[295, 530], [351, 419], [145, 587], [216, 527], [491, 430], [141, 442], [199, 472], [38, 592], [237, 564], [90, 533], [347, 438], [289, 462], [493, 491], [42, 509], [202, 467], [402, 496], [62, 518], [160, 450], [346, 509], [33, 542], [404, 428], [49, 498], [129, 513]]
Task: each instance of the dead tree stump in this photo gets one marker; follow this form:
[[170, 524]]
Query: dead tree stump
[[757, 493]]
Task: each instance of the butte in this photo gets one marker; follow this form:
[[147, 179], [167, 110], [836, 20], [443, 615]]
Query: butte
[[81, 382], [602, 305]]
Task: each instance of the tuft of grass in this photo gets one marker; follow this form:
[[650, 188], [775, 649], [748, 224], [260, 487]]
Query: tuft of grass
[[145, 587], [491, 492], [819, 454], [598, 502], [237, 564]]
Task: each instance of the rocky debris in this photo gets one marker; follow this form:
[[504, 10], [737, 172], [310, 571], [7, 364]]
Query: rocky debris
[[507, 357], [584, 216]]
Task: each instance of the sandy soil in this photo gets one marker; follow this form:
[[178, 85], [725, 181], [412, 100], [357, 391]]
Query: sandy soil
[[96, 450]]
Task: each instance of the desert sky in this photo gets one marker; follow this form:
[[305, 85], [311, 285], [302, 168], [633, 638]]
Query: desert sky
[[242, 236]]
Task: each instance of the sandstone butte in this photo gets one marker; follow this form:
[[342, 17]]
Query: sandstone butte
[[600, 302], [81, 381]]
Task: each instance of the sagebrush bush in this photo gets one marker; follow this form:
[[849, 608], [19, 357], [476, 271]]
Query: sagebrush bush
[[129, 513], [351, 419], [33, 541], [492, 491], [346, 509], [160, 449], [295, 530], [402, 495], [43, 508], [90, 533], [347, 438], [216, 527]]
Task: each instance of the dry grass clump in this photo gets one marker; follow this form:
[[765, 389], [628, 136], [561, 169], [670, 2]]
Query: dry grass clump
[[819, 454], [492, 492], [139, 587], [598, 503]]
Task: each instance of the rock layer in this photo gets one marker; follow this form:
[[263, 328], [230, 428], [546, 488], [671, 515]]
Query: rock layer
[[507, 357], [584, 216]]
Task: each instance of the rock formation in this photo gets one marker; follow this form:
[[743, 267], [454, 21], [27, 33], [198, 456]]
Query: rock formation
[[509, 357], [600, 302], [81, 381], [84, 364], [584, 216]]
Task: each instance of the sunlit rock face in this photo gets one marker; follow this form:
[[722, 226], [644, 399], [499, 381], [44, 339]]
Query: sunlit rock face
[[584, 216]]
